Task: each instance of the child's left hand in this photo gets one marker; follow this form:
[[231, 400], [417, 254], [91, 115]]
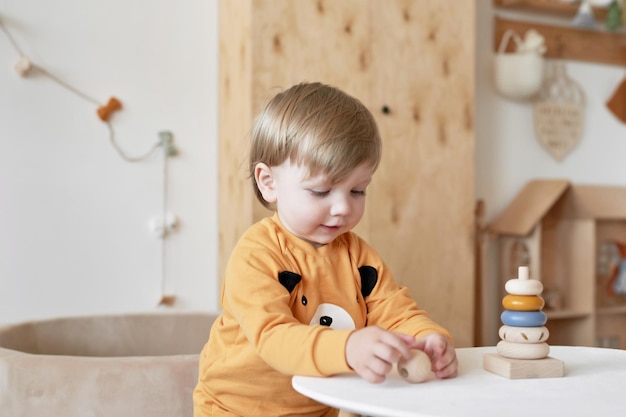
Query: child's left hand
[[441, 353]]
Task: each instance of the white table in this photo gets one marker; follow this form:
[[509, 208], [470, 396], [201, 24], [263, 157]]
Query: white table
[[594, 385]]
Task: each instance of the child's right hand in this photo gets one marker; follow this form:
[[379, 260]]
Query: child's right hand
[[372, 352]]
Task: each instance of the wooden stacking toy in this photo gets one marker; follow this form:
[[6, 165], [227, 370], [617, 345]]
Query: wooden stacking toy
[[523, 351]]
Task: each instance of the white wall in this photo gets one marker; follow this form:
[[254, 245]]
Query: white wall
[[508, 153], [74, 236]]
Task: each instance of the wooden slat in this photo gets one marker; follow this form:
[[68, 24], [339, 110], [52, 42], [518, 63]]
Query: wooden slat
[[569, 43], [549, 6], [599, 202], [422, 196], [235, 193], [528, 207]]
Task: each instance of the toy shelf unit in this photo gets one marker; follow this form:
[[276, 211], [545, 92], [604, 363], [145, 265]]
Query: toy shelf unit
[[573, 239]]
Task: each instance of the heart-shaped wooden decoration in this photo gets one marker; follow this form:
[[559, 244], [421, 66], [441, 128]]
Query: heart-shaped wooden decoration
[[559, 112]]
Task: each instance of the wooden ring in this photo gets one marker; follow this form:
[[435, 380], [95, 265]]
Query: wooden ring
[[523, 318], [524, 287], [524, 334], [523, 302], [522, 350]]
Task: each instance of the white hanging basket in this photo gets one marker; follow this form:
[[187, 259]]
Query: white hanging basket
[[517, 75]]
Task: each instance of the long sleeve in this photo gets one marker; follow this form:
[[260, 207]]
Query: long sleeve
[[390, 305]]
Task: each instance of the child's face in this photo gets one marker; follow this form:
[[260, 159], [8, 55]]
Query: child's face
[[315, 209]]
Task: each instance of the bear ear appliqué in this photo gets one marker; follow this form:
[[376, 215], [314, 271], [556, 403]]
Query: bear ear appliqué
[[289, 280], [369, 278]]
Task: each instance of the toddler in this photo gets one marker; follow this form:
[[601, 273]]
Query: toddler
[[302, 294]]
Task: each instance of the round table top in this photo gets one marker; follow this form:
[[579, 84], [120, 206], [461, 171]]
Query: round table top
[[593, 385]]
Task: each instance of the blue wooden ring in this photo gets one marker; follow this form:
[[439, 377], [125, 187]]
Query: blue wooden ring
[[523, 318]]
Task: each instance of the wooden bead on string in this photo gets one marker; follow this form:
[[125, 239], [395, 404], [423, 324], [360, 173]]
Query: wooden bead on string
[[104, 112], [167, 300], [23, 66], [415, 369]]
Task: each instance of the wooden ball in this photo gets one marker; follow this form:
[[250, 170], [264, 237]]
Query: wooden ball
[[416, 369]]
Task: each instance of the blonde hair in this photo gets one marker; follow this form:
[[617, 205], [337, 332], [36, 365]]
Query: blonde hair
[[317, 126]]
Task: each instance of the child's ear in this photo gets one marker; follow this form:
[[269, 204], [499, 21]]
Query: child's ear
[[266, 182]]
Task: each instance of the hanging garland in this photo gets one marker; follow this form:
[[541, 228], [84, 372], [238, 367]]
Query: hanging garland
[[24, 66], [104, 111]]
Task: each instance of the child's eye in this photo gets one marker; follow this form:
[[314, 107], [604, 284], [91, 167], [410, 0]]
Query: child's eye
[[358, 192], [319, 193]]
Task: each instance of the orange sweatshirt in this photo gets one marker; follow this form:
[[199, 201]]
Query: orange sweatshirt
[[288, 309]]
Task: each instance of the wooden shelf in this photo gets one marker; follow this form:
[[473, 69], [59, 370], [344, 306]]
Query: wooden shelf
[[612, 310], [562, 41], [570, 43], [565, 314], [547, 6]]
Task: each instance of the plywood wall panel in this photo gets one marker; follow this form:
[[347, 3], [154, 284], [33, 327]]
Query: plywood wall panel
[[297, 41], [234, 198], [424, 194]]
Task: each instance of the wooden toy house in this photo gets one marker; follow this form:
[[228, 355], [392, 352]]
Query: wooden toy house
[[573, 239]]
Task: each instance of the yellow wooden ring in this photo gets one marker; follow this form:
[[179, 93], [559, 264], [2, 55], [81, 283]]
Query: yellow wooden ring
[[523, 334], [523, 286], [523, 302], [522, 350]]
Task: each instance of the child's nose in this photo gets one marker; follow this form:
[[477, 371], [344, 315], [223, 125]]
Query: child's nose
[[340, 206]]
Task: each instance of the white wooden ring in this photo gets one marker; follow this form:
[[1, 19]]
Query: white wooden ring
[[524, 287], [524, 334], [522, 350]]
